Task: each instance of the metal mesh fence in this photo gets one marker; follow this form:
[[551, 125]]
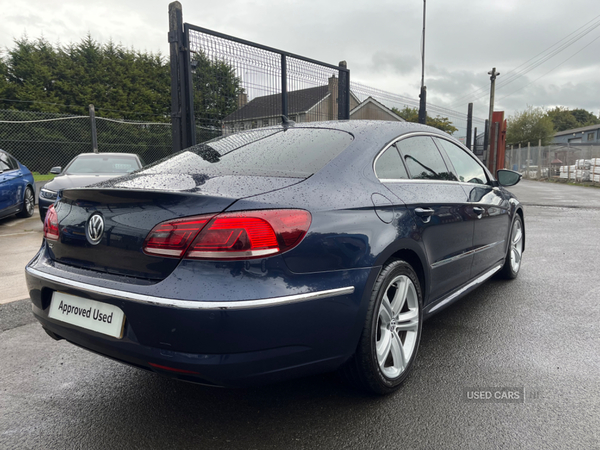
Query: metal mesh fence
[[225, 75], [43, 140], [238, 85], [558, 162]]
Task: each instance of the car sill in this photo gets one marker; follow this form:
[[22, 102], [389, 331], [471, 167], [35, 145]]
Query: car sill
[[191, 304], [461, 291]]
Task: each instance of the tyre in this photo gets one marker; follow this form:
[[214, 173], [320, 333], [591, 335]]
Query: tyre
[[512, 263], [388, 345], [28, 204]]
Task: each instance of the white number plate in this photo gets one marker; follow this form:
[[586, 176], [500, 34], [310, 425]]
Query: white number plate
[[90, 314]]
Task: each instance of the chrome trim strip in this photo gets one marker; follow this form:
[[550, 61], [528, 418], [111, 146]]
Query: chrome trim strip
[[473, 283], [190, 304], [463, 255], [418, 180]]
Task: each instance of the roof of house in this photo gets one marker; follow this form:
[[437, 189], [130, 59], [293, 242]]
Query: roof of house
[[269, 105], [578, 130], [371, 100]]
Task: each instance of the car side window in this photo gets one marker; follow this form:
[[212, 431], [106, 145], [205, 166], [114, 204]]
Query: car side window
[[5, 163], [13, 162], [389, 165], [467, 169], [423, 159]]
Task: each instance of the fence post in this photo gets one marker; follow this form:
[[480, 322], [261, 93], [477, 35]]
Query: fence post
[[539, 160], [284, 91], [94, 134], [469, 124], [528, 157], [486, 140], [343, 91], [568, 166], [188, 84], [519, 152], [175, 26]]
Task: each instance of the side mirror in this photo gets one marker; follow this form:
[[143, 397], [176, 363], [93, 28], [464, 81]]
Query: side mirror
[[508, 177], [56, 170]]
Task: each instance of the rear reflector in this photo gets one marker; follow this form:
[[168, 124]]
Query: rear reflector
[[172, 369], [239, 235], [51, 224], [172, 238]]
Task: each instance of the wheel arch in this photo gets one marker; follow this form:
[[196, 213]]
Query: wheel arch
[[519, 211], [413, 259], [409, 251]]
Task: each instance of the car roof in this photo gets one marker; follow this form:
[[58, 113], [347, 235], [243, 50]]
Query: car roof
[[102, 155], [372, 132]]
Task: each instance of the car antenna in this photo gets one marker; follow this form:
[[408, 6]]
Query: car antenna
[[286, 122]]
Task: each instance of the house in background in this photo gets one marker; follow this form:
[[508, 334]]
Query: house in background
[[304, 105], [583, 135], [371, 109]]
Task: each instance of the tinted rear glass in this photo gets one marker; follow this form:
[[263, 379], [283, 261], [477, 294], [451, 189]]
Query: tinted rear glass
[[102, 164], [296, 152], [423, 159], [389, 165]]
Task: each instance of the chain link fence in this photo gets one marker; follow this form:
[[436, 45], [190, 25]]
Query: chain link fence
[[571, 163], [42, 140]]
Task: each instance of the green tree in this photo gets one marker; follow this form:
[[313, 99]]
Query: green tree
[[584, 118], [529, 125], [565, 119], [562, 119], [216, 89], [412, 115], [4, 85], [119, 82]]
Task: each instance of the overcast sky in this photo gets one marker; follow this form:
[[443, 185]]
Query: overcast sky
[[380, 40]]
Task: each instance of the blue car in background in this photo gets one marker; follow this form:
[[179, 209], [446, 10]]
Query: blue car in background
[[16, 188], [277, 252]]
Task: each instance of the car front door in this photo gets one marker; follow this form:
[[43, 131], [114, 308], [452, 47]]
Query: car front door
[[437, 202], [10, 186], [488, 207]]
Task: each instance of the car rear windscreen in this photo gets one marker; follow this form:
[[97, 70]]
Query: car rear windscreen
[[102, 164], [295, 152]]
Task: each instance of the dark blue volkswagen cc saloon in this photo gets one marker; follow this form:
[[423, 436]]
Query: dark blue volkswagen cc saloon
[[277, 252]]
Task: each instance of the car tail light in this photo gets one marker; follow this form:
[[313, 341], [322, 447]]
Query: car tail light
[[51, 224], [173, 238], [239, 235], [250, 234]]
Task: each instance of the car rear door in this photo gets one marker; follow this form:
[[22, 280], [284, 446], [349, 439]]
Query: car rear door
[[438, 204], [488, 208], [10, 185]]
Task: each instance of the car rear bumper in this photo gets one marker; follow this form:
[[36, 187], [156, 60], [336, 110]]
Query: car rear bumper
[[223, 342]]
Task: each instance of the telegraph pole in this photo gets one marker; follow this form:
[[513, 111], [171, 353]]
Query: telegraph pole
[[423, 94], [469, 125], [493, 74]]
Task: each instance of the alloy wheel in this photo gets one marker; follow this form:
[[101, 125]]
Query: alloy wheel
[[516, 246], [29, 202], [397, 326]]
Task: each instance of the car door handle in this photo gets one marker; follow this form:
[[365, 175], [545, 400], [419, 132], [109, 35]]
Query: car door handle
[[424, 212], [479, 211]]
